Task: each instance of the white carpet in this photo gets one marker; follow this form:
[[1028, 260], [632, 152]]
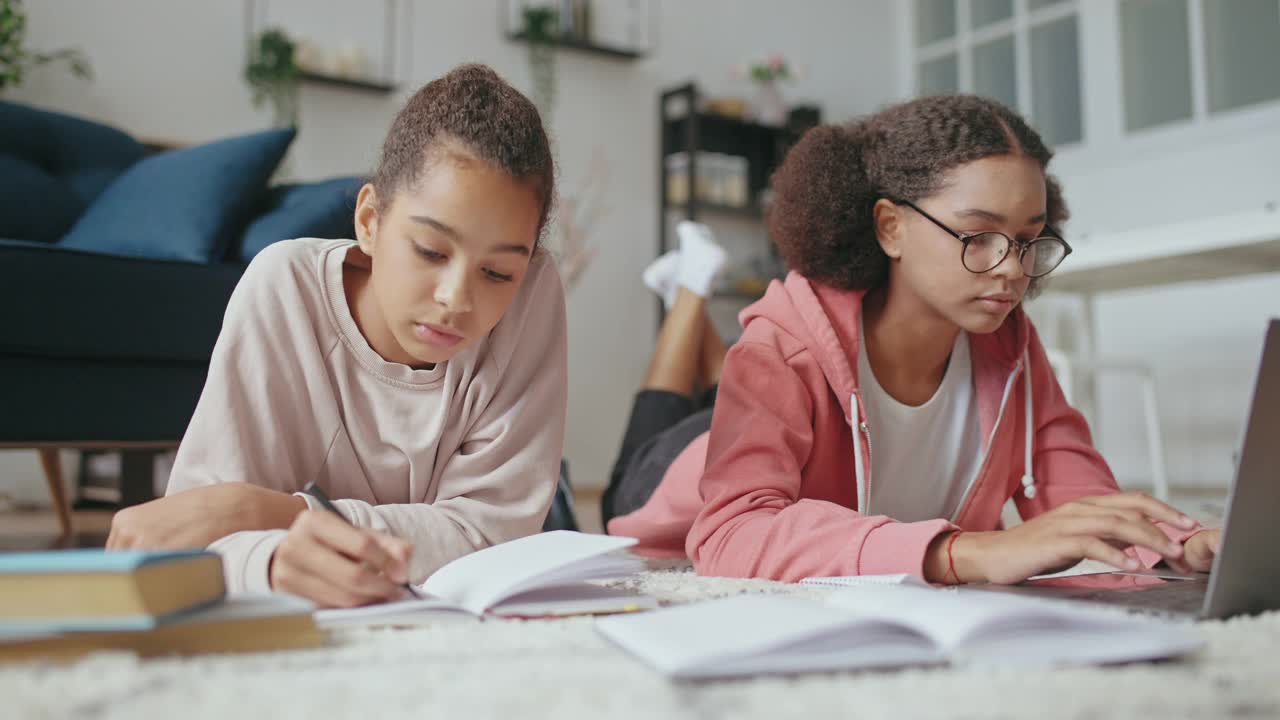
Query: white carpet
[[495, 669]]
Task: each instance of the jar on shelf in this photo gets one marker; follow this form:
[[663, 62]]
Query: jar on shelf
[[711, 166], [736, 192], [677, 166], [719, 179]]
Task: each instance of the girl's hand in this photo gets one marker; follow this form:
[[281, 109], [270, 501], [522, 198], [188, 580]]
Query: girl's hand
[[336, 565], [1094, 528], [1200, 549], [196, 517]]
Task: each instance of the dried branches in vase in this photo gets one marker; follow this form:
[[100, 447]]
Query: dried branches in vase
[[580, 212]]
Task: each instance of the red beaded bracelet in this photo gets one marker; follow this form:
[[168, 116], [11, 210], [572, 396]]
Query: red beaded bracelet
[[951, 561]]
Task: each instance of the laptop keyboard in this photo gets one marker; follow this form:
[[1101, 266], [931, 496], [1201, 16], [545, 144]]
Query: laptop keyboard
[[1176, 596]]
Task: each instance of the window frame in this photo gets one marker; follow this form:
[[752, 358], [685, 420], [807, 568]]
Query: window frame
[[967, 39]]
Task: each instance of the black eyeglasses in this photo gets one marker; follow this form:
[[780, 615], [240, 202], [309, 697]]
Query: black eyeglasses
[[983, 251]]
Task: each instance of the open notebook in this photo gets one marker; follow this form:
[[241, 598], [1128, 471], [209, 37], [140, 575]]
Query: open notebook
[[542, 575], [885, 626]]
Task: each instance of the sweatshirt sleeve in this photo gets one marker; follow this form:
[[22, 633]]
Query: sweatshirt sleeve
[[753, 522], [499, 483], [256, 377], [246, 559], [1066, 463]]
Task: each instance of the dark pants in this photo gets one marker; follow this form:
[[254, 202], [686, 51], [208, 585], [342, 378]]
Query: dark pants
[[662, 425]]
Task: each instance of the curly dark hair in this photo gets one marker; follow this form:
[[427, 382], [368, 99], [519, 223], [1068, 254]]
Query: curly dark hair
[[473, 110], [824, 191]]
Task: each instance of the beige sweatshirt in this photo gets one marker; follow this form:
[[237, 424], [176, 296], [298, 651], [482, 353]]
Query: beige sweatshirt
[[452, 459]]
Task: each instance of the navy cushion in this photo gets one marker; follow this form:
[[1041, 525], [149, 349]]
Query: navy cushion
[[85, 155], [324, 209], [182, 205], [34, 205]]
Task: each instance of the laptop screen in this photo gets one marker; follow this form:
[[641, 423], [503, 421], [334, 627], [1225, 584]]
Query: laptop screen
[[1246, 572]]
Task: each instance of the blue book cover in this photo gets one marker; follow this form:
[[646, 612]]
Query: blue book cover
[[74, 562], [87, 561]]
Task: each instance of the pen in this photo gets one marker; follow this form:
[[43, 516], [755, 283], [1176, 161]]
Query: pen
[[314, 491]]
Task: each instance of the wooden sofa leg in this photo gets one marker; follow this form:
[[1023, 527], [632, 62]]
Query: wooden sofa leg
[[53, 475]]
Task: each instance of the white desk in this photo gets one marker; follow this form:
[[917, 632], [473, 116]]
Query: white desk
[[1235, 245], [1219, 247]]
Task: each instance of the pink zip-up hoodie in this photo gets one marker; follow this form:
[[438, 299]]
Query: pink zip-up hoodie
[[774, 489]]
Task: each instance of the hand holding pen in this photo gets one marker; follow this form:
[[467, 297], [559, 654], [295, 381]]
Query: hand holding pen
[[326, 559]]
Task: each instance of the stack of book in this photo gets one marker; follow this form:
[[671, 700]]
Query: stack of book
[[66, 603]]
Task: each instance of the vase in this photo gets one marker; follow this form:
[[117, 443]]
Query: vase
[[768, 107]]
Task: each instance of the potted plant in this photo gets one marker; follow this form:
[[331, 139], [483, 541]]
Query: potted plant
[[541, 33], [769, 107], [15, 59], [273, 75]]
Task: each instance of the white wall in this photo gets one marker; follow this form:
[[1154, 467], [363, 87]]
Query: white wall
[[1203, 340], [171, 69]]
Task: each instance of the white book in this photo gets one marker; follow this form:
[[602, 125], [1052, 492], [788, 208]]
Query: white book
[[544, 575], [886, 626]]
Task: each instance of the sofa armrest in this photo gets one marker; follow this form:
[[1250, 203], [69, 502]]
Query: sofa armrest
[[63, 303]]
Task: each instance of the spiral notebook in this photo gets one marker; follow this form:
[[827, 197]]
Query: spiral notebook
[[846, 581]]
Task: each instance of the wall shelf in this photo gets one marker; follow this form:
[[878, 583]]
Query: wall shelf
[[395, 15], [576, 45], [752, 212], [682, 127], [372, 86]]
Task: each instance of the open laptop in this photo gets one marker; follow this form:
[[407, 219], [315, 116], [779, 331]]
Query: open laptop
[[1245, 578]]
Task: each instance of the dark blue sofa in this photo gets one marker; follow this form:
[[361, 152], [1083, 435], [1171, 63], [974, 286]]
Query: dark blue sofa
[[100, 349], [104, 340]]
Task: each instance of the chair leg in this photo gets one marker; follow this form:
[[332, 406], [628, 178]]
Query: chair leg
[[1155, 442], [53, 475]]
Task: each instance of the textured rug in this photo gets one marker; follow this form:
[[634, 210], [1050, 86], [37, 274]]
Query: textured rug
[[562, 669]]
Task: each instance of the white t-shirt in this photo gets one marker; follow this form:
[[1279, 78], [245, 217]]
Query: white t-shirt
[[923, 458]]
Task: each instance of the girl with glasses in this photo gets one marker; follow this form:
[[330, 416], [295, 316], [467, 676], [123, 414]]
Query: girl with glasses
[[888, 398]]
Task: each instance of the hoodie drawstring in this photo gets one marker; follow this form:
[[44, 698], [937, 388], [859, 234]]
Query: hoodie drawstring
[[1028, 477]]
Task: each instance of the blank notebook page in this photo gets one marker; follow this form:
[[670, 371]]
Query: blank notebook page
[[479, 581]]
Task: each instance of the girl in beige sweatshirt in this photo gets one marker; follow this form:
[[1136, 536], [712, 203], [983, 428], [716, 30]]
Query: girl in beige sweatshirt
[[417, 374]]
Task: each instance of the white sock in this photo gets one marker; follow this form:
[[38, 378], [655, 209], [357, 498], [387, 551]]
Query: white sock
[[701, 259], [660, 277]]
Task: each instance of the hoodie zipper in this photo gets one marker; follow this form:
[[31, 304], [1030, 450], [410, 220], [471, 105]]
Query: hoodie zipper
[[862, 469], [986, 454]]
